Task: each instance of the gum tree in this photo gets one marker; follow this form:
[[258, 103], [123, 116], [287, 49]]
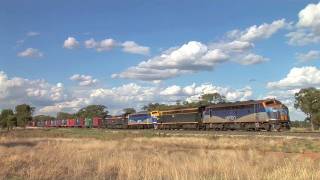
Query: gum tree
[[308, 101]]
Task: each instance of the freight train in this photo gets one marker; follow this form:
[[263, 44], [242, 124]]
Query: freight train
[[269, 114]]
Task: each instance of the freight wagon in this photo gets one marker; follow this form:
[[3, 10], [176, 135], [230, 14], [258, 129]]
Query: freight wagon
[[80, 123], [116, 122], [88, 122], [71, 123], [97, 122]]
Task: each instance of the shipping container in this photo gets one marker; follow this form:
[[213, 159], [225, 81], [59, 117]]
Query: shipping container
[[58, 123], [97, 122], [88, 123], [71, 123], [32, 124], [82, 123], [53, 123], [40, 123], [47, 123], [64, 123]]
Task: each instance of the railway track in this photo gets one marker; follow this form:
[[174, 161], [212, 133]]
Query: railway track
[[283, 134], [288, 134]]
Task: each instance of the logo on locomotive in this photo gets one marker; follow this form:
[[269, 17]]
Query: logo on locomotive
[[231, 118]]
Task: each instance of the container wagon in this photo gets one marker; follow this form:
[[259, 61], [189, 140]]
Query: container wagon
[[116, 122], [97, 122], [88, 122]]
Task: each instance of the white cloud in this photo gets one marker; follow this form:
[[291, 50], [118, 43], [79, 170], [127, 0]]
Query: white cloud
[[302, 37], [309, 56], [252, 59], [103, 45], [18, 90], [31, 53], [106, 45], [52, 98], [133, 47], [195, 92], [32, 33], [70, 106], [195, 56], [171, 90], [258, 32], [109, 44], [134, 95], [308, 26], [309, 17], [298, 78], [90, 43], [71, 43], [189, 58], [234, 46], [84, 80]]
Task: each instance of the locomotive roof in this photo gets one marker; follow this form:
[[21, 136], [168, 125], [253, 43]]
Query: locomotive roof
[[180, 109], [240, 103], [139, 113], [114, 117]]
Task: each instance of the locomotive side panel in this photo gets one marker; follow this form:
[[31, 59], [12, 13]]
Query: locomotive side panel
[[187, 118], [235, 114], [140, 120], [180, 118]]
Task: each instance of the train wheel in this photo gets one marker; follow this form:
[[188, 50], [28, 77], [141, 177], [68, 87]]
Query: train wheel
[[267, 127]]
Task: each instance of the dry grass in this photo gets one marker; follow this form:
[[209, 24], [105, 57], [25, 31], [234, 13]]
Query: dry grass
[[159, 158]]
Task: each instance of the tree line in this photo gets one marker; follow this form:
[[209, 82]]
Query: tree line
[[307, 100], [20, 116], [204, 100]]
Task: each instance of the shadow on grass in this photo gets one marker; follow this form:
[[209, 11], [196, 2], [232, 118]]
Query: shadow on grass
[[15, 144]]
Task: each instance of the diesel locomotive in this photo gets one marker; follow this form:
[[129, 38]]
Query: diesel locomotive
[[246, 115]]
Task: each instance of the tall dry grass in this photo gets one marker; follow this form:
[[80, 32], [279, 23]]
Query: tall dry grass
[[153, 158]]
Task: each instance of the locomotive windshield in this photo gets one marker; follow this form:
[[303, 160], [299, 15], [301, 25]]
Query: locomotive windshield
[[276, 110]]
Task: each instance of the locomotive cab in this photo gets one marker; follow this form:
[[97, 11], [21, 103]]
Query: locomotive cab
[[277, 112]]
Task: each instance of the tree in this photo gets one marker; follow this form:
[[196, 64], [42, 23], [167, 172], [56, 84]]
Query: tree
[[212, 98], [151, 107], [185, 103], [8, 119], [64, 115], [93, 111], [316, 120], [42, 118], [129, 111], [23, 114], [308, 101]]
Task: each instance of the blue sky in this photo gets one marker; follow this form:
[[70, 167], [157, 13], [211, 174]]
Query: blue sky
[[37, 60]]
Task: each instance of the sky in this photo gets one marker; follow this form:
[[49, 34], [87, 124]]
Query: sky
[[65, 55]]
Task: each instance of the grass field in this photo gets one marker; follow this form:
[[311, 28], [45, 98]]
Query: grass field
[[105, 154]]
